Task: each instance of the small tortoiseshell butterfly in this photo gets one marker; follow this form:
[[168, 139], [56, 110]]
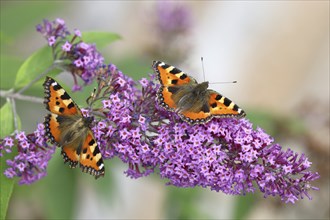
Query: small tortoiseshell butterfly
[[194, 102], [67, 127]]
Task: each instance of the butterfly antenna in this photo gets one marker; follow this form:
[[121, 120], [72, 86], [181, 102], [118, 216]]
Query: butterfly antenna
[[202, 60], [223, 82]]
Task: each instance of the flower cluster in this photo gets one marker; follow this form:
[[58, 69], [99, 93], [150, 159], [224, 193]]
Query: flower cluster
[[78, 57], [229, 155], [225, 155], [121, 130], [53, 30], [34, 153]]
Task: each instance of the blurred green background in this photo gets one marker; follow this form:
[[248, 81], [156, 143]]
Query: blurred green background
[[277, 51]]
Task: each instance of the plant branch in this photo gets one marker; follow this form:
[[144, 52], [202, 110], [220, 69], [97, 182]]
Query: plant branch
[[9, 94], [13, 106]]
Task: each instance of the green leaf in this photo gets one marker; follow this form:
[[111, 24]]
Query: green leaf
[[101, 39], [36, 64], [42, 59], [7, 185], [6, 120], [8, 69]]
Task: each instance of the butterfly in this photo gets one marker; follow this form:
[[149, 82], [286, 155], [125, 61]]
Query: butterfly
[[193, 101], [67, 127]]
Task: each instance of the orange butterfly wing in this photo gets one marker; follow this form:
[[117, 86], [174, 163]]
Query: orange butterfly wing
[[164, 96], [221, 106], [70, 155], [57, 99], [90, 157], [52, 128], [60, 104], [169, 76], [213, 104], [218, 106], [195, 117]]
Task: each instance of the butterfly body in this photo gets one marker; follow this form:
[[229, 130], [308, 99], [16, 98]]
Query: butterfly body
[[190, 97], [193, 101], [74, 128], [68, 128]]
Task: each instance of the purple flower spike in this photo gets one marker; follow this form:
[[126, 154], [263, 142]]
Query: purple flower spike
[[81, 59], [225, 155], [33, 155]]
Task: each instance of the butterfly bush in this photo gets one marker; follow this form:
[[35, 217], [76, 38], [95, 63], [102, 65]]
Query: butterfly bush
[[226, 155], [75, 55], [30, 163]]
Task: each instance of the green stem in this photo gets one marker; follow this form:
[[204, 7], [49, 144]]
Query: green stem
[[9, 94], [13, 106]]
